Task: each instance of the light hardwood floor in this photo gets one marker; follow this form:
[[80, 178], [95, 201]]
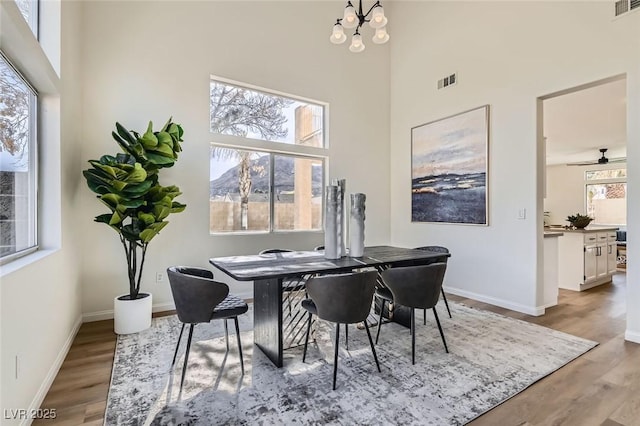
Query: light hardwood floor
[[601, 387]]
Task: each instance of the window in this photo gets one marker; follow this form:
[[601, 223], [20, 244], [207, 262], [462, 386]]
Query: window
[[267, 161], [18, 166], [606, 196], [29, 9]]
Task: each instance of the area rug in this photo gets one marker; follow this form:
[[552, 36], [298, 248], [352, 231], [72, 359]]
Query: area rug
[[491, 359]]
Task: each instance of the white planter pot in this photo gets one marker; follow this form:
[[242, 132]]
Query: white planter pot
[[132, 316]]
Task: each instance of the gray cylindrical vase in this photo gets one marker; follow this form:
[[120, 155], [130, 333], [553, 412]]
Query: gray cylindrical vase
[[342, 212], [331, 218], [356, 225]]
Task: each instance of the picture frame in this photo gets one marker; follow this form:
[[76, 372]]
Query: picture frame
[[449, 169]]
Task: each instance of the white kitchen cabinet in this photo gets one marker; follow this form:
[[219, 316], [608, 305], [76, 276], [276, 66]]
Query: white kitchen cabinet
[[601, 261], [590, 263], [612, 258], [586, 258]]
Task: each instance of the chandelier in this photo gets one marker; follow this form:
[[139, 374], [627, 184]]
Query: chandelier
[[356, 19]]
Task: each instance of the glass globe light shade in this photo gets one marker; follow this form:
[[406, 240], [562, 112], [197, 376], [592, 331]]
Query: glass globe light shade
[[350, 19], [381, 36], [338, 36], [356, 44], [378, 20]]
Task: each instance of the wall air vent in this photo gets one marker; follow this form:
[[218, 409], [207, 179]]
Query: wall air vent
[[449, 80], [624, 6]]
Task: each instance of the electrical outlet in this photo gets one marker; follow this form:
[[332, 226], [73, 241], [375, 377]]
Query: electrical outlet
[[159, 277]]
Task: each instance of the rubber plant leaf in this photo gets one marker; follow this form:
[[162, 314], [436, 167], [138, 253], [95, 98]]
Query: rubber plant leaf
[[153, 230], [146, 218], [160, 160], [177, 207], [149, 140]]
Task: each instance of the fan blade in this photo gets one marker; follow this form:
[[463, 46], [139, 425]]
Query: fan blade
[[583, 163], [595, 163], [618, 160]]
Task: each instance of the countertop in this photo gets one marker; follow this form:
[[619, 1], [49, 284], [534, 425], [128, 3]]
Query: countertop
[[550, 234], [587, 230]]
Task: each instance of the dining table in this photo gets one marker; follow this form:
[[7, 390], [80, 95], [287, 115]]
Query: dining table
[[269, 271]]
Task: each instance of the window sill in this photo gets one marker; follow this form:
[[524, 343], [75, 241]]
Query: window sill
[[25, 261]]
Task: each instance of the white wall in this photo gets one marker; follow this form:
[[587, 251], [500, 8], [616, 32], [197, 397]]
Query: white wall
[[40, 310], [506, 54], [156, 63], [566, 190]]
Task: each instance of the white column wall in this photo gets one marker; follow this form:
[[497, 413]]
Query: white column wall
[[41, 302]]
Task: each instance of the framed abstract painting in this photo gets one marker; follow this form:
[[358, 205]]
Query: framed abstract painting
[[449, 168]]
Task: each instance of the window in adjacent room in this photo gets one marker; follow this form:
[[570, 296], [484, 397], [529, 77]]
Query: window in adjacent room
[[18, 163], [606, 196], [267, 162]]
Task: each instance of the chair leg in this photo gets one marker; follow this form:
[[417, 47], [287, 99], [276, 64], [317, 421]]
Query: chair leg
[[424, 316], [226, 333], [373, 349], [444, 296], [306, 339], [186, 356], [239, 345], [380, 320], [335, 356], [440, 328], [413, 337], [175, 354], [346, 335]]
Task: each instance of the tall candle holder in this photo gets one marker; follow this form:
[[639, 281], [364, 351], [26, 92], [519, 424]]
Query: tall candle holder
[[331, 220], [356, 225]]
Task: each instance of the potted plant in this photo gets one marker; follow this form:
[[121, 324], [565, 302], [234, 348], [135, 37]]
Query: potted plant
[[128, 185], [579, 221]]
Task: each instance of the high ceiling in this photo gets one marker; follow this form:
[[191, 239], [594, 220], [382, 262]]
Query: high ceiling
[[578, 124]]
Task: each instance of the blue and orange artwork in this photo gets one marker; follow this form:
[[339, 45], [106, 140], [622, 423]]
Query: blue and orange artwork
[[449, 169]]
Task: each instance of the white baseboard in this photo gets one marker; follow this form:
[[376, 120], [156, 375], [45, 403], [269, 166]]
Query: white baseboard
[[106, 315], [529, 310], [97, 316], [53, 371], [632, 336]]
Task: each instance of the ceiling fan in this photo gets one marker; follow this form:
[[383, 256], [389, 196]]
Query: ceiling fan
[[602, 160]]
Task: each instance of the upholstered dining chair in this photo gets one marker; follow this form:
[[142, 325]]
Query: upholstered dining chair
[[443, 259], [200, 299], [342, 299], [414, 287]]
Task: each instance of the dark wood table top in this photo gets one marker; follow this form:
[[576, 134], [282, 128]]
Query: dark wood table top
[[280, 265]]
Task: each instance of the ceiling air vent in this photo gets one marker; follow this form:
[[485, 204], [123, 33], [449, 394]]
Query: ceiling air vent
[[624, 6], [449, 80]]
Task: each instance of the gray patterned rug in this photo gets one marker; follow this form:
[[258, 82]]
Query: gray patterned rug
[[491, 359]]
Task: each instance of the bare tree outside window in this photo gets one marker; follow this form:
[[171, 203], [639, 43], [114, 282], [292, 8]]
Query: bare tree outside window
[[241, 174], [17, 163], [242, 112], [14, 113], [29, 10], [247, 113]]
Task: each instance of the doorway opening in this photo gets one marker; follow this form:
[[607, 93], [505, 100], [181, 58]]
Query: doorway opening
[[583, 142]]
